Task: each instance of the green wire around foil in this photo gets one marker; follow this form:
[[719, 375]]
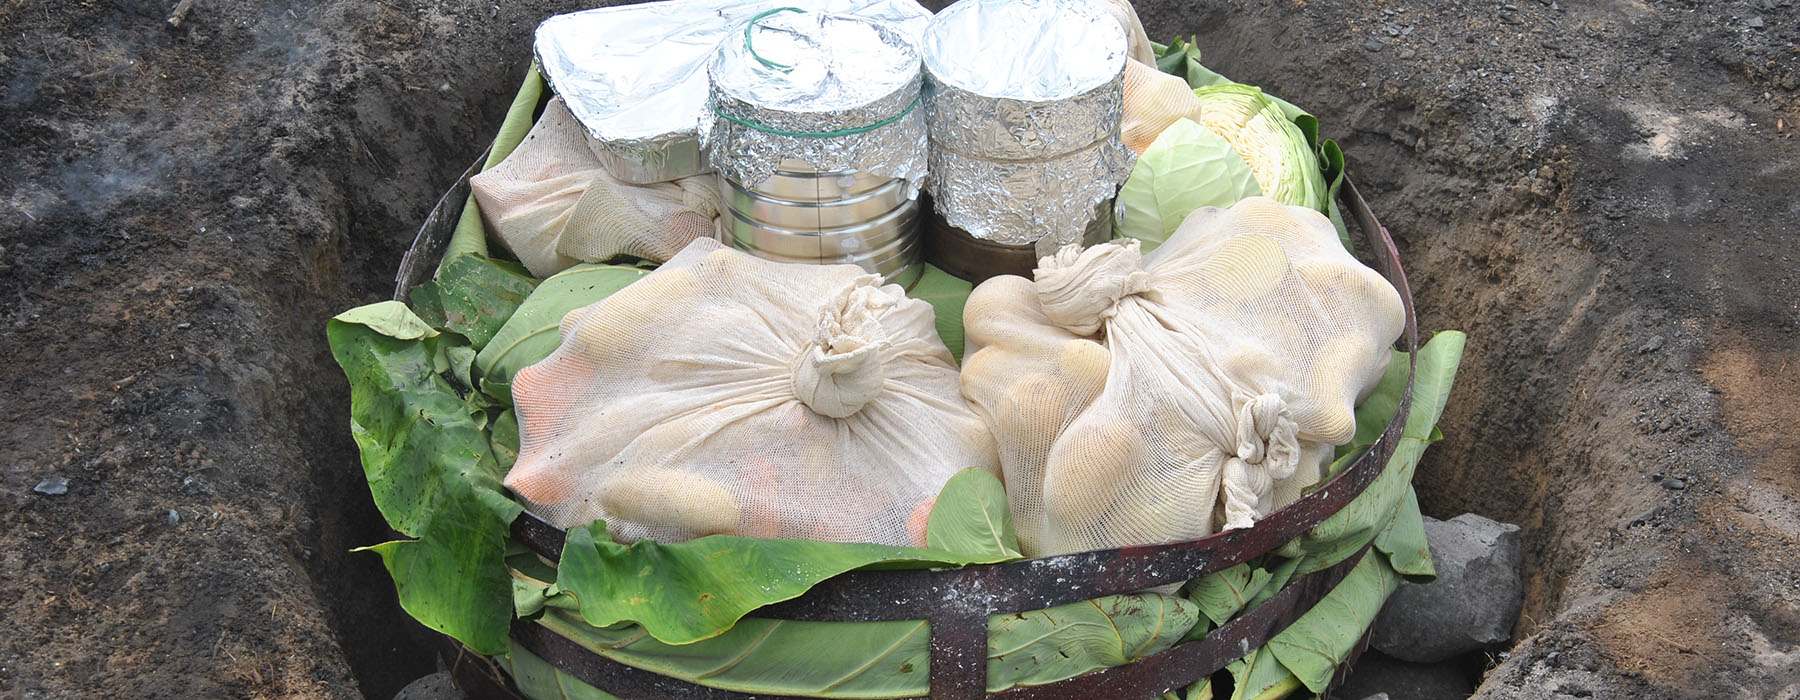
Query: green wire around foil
[[751, 26], [834, 133], [740, 121]]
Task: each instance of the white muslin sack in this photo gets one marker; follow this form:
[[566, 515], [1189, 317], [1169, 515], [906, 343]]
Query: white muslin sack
[[726, 394], [1142, 399], [553, 204]]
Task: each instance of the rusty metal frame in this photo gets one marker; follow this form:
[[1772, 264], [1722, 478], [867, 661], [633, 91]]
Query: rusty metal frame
[[957, 602]]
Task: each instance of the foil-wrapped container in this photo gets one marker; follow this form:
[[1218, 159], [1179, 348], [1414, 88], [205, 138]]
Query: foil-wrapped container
[[1022, 100], [837, 92], [819, 142], [635, 75]]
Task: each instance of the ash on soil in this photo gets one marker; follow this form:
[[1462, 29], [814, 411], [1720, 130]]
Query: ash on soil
[[1568, 182]]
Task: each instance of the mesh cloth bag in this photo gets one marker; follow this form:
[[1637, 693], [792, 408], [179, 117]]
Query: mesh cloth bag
[[726, 394], [1141, 399], [553, 204], [1153, 101]]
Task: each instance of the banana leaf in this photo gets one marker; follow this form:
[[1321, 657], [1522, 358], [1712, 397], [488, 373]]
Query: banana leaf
[[890, 659], [431, 472], [1260, 676], [1372, 512], [470, 235], [947, 294], [1321, 640]]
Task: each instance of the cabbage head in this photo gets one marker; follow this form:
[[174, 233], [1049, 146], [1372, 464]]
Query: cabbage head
[[1186, 168], [1275, 149]]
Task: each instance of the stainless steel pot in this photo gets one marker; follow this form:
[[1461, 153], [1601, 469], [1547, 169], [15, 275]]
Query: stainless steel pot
[[801, 215]]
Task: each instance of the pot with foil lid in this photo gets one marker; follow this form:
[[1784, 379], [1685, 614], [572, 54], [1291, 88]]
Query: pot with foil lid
[[1023, 100], [635, 75], [819, 141]]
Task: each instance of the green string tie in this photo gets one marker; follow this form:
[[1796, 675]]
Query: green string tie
[[783, 67], [748, 28]]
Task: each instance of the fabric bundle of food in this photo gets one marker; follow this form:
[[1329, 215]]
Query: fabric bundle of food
[[553, 203], [726, 394], [1139, 399]]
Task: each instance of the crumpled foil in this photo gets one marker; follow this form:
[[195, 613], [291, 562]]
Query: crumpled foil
[[1023, 99], [635, 75], [836, 72]]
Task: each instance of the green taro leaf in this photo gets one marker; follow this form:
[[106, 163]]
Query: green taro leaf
[[389, 318], [530, 334], [505, 439], [971, 517], [683, 592], [432, 476], [477, 294], [1316, 644]]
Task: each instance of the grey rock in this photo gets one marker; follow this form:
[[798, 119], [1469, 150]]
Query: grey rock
[[436, 686], [1472, 604], [52, 486], [1655, 343], [1377, 696]]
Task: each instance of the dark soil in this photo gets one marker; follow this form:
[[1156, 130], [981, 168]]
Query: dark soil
[[1601, 193]]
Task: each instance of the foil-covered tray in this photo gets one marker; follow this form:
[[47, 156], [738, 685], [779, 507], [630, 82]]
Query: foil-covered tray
[[1023, 100], [635, 75]]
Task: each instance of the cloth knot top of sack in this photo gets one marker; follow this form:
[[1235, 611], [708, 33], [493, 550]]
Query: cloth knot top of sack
[[1139, 399], [726, 394]]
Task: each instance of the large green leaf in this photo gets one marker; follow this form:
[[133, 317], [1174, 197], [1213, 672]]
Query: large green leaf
[[1315, 645], [538, 679], [947, 294], [1223, 594], [389, 318], [1404, 542], [1260, 676], [683, 592], [505, 439], [892, 659], [432, 475], [1370, 513], [477, 294], [971, 517], [530, 333], [470, 235]]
